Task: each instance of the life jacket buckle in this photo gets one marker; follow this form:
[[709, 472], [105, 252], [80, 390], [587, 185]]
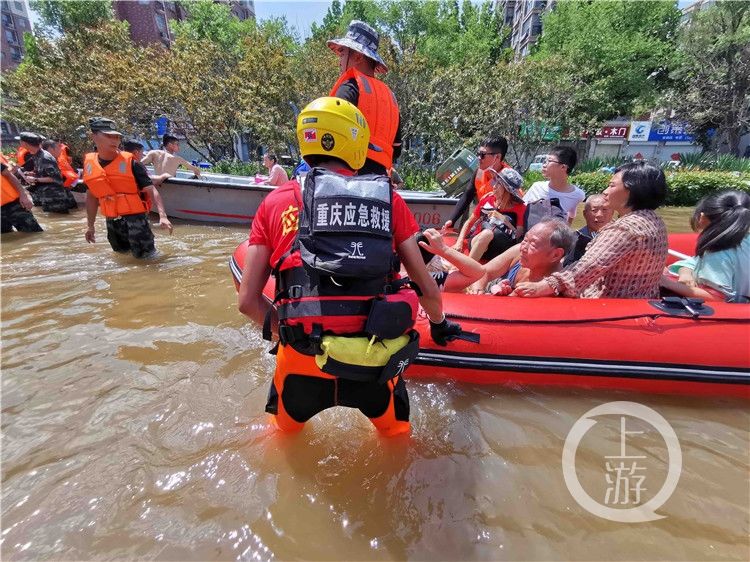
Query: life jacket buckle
[[287, 334], [295, 291]]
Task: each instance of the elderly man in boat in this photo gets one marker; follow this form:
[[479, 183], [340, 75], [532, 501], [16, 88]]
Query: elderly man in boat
[[539, 254]]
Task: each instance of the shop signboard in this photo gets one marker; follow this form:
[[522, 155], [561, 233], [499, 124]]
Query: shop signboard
[[639, 131], [547, 133], [614, 132], [670, 131]]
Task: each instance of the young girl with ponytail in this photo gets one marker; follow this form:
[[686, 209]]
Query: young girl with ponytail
[[721, 268]]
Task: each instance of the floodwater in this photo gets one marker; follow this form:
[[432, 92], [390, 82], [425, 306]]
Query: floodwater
[[133, 429]]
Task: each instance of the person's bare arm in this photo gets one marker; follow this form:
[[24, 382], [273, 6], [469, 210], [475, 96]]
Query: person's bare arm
[[458, 245], [671, 284], [160, 179], [92, 206], [469, 270], [255, 274], [148, 158], [23, 196], [156, 198], [497, 266], [431, 299], [189, 166]]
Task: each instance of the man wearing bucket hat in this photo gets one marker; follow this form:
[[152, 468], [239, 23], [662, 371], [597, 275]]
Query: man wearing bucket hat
[[497, 221], [330, 251], [359, 61], [120, 186]]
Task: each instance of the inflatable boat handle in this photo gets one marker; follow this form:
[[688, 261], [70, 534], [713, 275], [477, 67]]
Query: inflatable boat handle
[[678, 255]]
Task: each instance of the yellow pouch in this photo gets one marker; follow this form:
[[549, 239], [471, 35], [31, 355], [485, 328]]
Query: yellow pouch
[[359, 350]]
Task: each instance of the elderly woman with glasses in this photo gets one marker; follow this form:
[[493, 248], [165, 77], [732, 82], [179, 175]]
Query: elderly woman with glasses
[[626, 259]]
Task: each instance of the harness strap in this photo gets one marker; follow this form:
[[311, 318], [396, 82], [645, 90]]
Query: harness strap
[[317, 308]]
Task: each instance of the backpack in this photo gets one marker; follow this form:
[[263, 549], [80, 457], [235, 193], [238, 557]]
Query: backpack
[[541, 209], [345, 228], [347, 284]]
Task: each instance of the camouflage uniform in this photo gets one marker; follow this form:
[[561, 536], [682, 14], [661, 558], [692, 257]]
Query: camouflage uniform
[[131, 233], [52, 197], [13, 215]]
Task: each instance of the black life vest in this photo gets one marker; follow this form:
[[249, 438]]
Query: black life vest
[[348, 281]]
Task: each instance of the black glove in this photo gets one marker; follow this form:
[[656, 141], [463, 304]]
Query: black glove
[[444, 331]]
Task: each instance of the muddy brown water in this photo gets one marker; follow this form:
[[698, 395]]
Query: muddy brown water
[[133, 429]]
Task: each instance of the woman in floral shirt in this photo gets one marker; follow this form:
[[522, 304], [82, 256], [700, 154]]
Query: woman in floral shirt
[[626, 259]]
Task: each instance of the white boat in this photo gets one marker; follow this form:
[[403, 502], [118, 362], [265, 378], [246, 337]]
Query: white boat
[[218, 198]]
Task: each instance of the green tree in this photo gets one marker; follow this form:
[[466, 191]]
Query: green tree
[[714, 75], [214, 22], [64, 16], [229, 79], [90, 71], [330, 24], [622, 51]]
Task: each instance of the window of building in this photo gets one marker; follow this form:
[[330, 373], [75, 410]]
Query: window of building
[[161, 23], [21, 22], [11, 36], [526, 29], [16, 54], [19, 6]]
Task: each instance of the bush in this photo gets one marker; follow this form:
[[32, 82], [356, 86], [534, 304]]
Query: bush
[[417, 178], [591, 182], [687, 188], [530, 177], [712, 162], [237, 168], [594, 164], [730, 163]]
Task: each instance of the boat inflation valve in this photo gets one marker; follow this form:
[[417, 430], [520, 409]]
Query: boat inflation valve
[[683, 306]]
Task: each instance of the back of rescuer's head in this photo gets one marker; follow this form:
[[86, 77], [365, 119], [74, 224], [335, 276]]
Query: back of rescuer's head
[[331, 128]]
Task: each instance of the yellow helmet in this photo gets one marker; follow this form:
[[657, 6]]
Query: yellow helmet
[[333, 127]]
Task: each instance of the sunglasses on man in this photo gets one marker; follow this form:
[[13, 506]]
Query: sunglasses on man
[[483, 154]]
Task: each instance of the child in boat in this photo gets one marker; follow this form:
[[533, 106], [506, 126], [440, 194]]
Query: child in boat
[[721, 268], [497, 221]]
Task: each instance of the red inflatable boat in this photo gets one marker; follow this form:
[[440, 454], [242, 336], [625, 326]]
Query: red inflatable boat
[[601, 343]]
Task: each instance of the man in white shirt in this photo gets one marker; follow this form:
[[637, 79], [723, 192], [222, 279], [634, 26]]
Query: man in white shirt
[[166, 161], [559, 164], [276, 174]]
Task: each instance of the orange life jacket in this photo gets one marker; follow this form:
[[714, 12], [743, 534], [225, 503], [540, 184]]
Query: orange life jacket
[[65, 151], [113, 185], [70, 176], [9, 193], [378, 104], [21, 155], [483, 180]]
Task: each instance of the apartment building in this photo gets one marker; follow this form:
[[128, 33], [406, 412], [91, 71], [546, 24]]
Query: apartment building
[[15, 22], [149, 19], [524, 18]]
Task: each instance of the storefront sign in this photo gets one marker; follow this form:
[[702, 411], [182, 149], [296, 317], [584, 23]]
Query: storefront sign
[[670, 131], [639, 131], [612, 132], [547, 133]]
